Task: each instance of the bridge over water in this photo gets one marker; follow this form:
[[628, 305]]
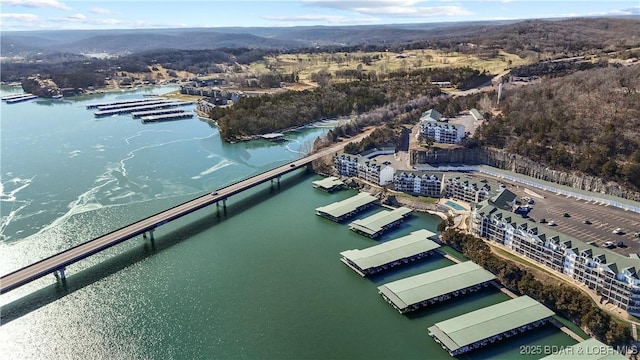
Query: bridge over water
[[57, 263]]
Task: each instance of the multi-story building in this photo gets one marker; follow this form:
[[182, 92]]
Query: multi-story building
[[419, 183], [465, 189], [442, 132], [364, 168], [610, 275]]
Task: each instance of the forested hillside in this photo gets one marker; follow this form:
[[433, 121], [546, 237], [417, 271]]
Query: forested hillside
[[587, 121]]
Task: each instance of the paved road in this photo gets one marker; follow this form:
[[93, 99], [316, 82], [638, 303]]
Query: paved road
[[59, 261]]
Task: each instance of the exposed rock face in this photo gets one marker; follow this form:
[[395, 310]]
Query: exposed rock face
[[521, 165], [44, 88]]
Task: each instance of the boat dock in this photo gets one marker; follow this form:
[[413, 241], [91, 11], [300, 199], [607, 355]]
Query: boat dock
[[119, 102], [166, 117], [133, 104], [329, 184], [139, 114], [374, 225], [479, 328], [127, 110], [12, 99], [344, 209], [429, 288], [403, 250]]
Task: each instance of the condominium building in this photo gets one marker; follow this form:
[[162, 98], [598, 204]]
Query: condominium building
[[364, 168], [442, 132], [419, 183], [465, 189], [610, 275]]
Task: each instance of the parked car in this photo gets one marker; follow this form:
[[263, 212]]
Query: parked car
[[617, 231], [636, 234], [621, 244], [587, 222], [552, 223], [566, 215], [608, 244], [543, 220]]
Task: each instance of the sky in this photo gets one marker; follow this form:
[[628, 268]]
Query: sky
[[24, 15]]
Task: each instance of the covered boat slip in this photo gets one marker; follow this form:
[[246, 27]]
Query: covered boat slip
[[434, 286], [478, 328], [341, 210], [590, 349], [329, 184], [391, 253], [379, 222]]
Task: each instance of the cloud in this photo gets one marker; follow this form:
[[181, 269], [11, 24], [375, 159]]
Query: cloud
[[97, 10], [37, 4], [634, 10], [83, 20], [328, 19], [20, 17], [401, 8]]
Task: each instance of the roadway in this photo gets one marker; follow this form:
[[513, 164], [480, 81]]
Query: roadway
[[67, 257]]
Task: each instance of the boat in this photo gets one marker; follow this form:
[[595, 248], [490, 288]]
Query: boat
[[58, 96]]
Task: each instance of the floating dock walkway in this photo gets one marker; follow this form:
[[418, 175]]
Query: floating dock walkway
[[120, 102], [139, 114], [329, 184], [376, 224], [425, 289], [166, 117], [12, 99], [479, 328], [403, 250], [134, 104], [344, 209], [128, 110]]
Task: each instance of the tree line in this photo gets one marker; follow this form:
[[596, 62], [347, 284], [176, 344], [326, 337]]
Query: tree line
[[586, 121], [566, 300]]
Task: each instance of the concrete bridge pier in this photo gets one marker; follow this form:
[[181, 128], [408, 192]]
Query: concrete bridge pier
[[144, 235], [59, 274]]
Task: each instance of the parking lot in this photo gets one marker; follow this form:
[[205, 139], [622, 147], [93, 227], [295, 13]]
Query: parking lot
[[603, 219]]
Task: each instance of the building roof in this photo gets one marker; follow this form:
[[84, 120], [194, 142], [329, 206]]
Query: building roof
[[420, 174], [476, 114], [375, 223], [341, 208], [492, 320], [328, 183], [414, 289], [431, 114], [415, 243], [503, 199], [590, 349]]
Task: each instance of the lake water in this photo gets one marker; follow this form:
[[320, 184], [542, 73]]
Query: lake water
[[261, 280]]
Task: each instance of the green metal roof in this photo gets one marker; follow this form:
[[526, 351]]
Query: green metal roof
[[415, 243], [414, 289], [344, 207], [590, 349], [376, 222], [474, 326], [328, 183]]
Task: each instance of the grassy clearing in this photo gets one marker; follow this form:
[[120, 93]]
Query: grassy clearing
[[382, 62], [422, 199]]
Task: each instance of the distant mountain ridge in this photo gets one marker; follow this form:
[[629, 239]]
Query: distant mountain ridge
[[21, 43]]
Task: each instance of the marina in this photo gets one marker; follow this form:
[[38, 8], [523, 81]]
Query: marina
[[429, 288], [347, 208], [119, 102], [329, 184], [139, 114], [134, 104], [376, 224], [403, 250], [127, 110], [486, 326], [18, 98], [166, 117]]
